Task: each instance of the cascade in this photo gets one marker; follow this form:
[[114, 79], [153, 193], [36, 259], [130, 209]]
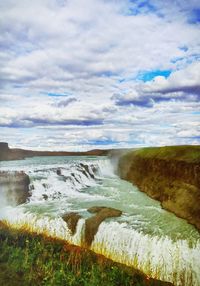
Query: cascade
[[77, 184]]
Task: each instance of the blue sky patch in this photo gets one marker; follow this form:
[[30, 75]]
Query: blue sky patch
[[139, 7], [55, 94], [150, 75], [196, 112], [105, 142], [195, 16], [147, 5]]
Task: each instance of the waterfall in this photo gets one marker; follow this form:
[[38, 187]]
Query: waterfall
[[158, 257], [75, 185]]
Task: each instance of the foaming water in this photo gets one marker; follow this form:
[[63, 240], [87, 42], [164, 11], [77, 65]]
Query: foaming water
[[158, 257], [145, 236]]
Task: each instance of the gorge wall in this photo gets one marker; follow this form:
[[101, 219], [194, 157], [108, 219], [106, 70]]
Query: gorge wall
[[170, 175], [14, 188]]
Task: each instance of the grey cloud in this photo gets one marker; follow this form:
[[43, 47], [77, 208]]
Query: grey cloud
[[66, 102], [141, 101], [147, 100], [186, 90], [31, 122]]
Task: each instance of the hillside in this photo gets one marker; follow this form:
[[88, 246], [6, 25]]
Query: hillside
[[7, 153]]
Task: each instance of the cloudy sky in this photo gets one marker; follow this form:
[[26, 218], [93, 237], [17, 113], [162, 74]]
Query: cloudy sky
[[84, 74]]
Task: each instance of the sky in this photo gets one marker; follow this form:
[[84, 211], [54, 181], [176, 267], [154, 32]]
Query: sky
[[86, 74]]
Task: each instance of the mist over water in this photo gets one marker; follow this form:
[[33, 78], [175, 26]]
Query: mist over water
[[3, 202], [145, 236]]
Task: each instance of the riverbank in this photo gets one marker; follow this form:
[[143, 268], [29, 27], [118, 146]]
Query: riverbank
[[31, 259], [170, 175]]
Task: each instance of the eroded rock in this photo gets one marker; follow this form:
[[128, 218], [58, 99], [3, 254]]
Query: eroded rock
[[92, 223], [72, 220]]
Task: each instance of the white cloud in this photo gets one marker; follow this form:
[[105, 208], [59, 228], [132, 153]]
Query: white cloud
[[91, 52], [178, 80]]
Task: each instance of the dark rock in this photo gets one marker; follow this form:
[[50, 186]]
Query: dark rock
[[92, 223], [45, 185], [31, 187], [14, 187], [4, 147], [72, 220], [45, 196], [58, 172], [3, 150], [73, 175], [95, 209], [85, 170]]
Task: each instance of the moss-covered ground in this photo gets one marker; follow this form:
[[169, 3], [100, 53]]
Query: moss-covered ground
[[187, 153]]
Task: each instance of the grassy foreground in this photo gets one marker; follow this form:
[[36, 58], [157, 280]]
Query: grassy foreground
[[30, 259]]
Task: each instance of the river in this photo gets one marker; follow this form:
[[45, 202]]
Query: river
[[145, 236]]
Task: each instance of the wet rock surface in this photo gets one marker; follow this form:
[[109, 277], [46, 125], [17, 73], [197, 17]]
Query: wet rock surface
[[58, 172], [45, 197], [86, 171], [72, 220], [92, 223], [14, 187]]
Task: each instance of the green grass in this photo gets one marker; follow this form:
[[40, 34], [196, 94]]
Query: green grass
[[30, 259], [187, 153]]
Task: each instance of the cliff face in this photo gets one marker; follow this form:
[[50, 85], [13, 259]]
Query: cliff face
[[10, 154], [14, 188], [168, 174], [3, 150]]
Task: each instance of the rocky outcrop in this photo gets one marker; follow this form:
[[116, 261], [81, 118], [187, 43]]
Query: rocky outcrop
[[86, 171], [14, 187], [72, 220], [3, 150], [92, 223], [168, 174]]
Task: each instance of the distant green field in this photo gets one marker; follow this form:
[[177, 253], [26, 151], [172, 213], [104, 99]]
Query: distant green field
[[187, 153]]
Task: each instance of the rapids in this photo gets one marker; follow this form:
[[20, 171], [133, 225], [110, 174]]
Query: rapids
[[145, 236]]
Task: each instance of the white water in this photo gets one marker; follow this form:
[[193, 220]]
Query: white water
[[145, 236]]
